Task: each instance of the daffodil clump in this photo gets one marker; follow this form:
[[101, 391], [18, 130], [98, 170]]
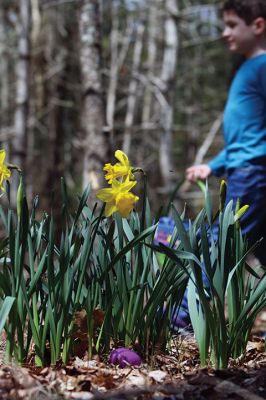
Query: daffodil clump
[[4, 171], [118, 197]]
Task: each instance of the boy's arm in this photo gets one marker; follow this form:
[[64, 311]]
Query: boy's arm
[[203, 171], [217, 164]]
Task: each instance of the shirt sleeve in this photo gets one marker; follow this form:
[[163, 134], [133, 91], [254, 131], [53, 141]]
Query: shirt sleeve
[[217, 164]]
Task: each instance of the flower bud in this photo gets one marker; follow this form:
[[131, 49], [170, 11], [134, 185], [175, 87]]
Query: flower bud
[[223, 188], [20, 193]]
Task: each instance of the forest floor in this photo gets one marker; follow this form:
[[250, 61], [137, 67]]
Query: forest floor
[[173, 376]]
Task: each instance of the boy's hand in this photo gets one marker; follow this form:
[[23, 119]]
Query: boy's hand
[[195, 172]]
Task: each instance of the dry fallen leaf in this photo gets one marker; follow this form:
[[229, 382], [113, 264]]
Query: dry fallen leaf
[[135, 380], [157, 375], [79, 363], [81, 396], [258, 346]]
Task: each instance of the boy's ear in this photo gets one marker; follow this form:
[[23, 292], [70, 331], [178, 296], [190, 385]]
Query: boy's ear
[[259, 25]]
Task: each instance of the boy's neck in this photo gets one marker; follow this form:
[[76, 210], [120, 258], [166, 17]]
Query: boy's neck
[[257, 51]]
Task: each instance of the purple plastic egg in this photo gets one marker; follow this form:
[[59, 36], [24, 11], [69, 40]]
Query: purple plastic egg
[[113, 358], [124, 357]]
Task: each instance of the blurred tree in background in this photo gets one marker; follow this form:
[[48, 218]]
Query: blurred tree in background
[[81, 78]]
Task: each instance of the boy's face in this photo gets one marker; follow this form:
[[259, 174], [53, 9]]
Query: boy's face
[[241, 38]]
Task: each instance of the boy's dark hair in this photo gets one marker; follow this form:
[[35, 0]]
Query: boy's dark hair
[[248, 10]]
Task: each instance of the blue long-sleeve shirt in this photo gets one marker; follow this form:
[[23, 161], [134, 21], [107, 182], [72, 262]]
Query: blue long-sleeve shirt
[[244, 118]]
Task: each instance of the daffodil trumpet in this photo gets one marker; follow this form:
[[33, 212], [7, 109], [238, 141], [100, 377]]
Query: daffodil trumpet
[[121, 170], [118, 198], [5, 173]]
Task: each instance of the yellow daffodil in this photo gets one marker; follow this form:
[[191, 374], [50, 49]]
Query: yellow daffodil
[[125, 203], [122, 169], [118, 198], [4, 171]]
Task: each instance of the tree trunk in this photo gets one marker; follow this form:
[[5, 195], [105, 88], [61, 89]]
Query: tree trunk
[[117, 59], [168, 75], [151, 60], [133, 86], [95, 140], [4, 77], [36, 21], [19, 144], [58, 99]]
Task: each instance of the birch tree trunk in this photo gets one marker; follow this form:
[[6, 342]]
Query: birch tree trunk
[[133, 85], [19, 144], [36, 21], [117, 59], [151, 59], [95, 142], [4, 77], [168, 89], [114, 69]]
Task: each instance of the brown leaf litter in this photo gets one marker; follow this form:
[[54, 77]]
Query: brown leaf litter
[[173, 376]]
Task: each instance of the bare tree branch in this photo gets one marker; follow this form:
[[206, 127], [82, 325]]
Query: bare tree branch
[[216, 125], [208, 140]]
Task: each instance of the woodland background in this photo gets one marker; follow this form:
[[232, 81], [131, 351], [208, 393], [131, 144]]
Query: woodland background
[[82, 78]]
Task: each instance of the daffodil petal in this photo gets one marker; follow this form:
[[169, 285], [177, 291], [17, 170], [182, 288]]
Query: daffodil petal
[[128, 185], [110, 208], [105, 195], [116, 185], [125, 203], [2, 156], [6, 172], [121, 157]]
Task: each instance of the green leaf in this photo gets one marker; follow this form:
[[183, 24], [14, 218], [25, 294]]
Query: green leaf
[[5, 310], [199, 322]]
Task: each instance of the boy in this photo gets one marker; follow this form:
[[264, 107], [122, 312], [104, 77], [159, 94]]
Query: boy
[[243, 158]]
